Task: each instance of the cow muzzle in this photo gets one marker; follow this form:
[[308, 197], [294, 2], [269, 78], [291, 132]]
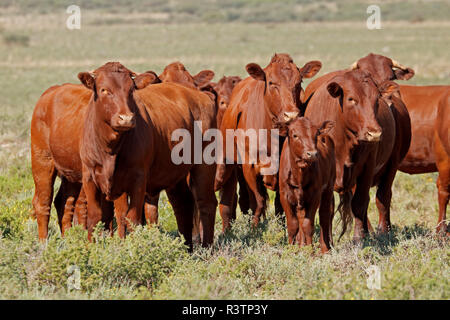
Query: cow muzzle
[[373, 136], [123, 122], [310, 155], [289, 116]]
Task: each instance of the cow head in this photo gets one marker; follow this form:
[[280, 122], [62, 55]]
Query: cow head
[[302, 138], [282, 84], [113, 86], [176, 72], [223, 90], [382, 68], [359, 98]]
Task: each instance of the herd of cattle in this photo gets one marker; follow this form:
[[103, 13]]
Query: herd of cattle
[[109, 140]]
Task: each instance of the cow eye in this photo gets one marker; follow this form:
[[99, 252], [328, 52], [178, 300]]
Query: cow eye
[[104, 91], [351, 100]]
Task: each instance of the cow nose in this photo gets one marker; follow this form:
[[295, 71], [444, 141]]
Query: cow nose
[[311, 154], [289, 116], [373, 136], [125, 120]]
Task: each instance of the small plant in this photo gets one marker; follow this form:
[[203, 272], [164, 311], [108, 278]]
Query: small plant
[[10, 38]]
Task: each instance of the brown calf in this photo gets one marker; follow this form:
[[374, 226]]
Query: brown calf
[[306, 179]]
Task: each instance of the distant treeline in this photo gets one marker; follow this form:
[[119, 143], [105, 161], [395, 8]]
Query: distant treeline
[[181, 11]]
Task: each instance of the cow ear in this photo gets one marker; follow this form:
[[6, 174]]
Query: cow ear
[[310, 69], [202, 78], [236, 80], [404, 74], [211, 86], [256, 72], [326, 127], [335, 90], [145, 79], [210, 90], [87, 79], [283, 128], [387, 90], [157, 79]]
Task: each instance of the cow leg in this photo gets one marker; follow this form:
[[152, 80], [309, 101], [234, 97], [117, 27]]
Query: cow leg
[[107, 214], [120, 212], [94, 210], [443, 184], [197, 228], [308, 221], [384, 196], [222, 174], [202, 187], [80, 214], [301, 236], [151, 209], [244, 196], [182, 201], [136, 206], [227, 202], [360, 202], [60, 201], [291, 219], [44, 175], [277, 205], [252, 200], [65, 201], [443, 198], [325, 219], [260, 199]]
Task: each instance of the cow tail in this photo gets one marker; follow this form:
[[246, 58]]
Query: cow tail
[[345, 210]]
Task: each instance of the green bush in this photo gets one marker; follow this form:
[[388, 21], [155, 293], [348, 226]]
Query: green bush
[[140, 262]]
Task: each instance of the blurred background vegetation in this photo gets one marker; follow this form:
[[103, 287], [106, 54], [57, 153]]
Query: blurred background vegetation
[[215, 11]]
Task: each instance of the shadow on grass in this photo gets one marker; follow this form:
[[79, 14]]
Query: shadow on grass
[[242, 230], [384, 243]]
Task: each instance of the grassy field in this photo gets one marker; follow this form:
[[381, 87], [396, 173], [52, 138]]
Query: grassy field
[[37, 51]]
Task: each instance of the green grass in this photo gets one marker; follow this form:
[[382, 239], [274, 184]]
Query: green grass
[[245, 263]]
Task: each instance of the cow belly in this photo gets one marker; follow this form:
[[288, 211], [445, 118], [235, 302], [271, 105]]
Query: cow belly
[[420, 157], [67, 163], [164, 177]]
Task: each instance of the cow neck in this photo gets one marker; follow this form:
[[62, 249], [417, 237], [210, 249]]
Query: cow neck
[[101, 148]]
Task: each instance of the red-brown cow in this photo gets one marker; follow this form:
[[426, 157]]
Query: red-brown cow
[[176, 73], [423, 103], [126, 148], [223, 89], [382, 69], [267, 96], [442, 150], [56, 129], [364, 136], [307, 175]]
